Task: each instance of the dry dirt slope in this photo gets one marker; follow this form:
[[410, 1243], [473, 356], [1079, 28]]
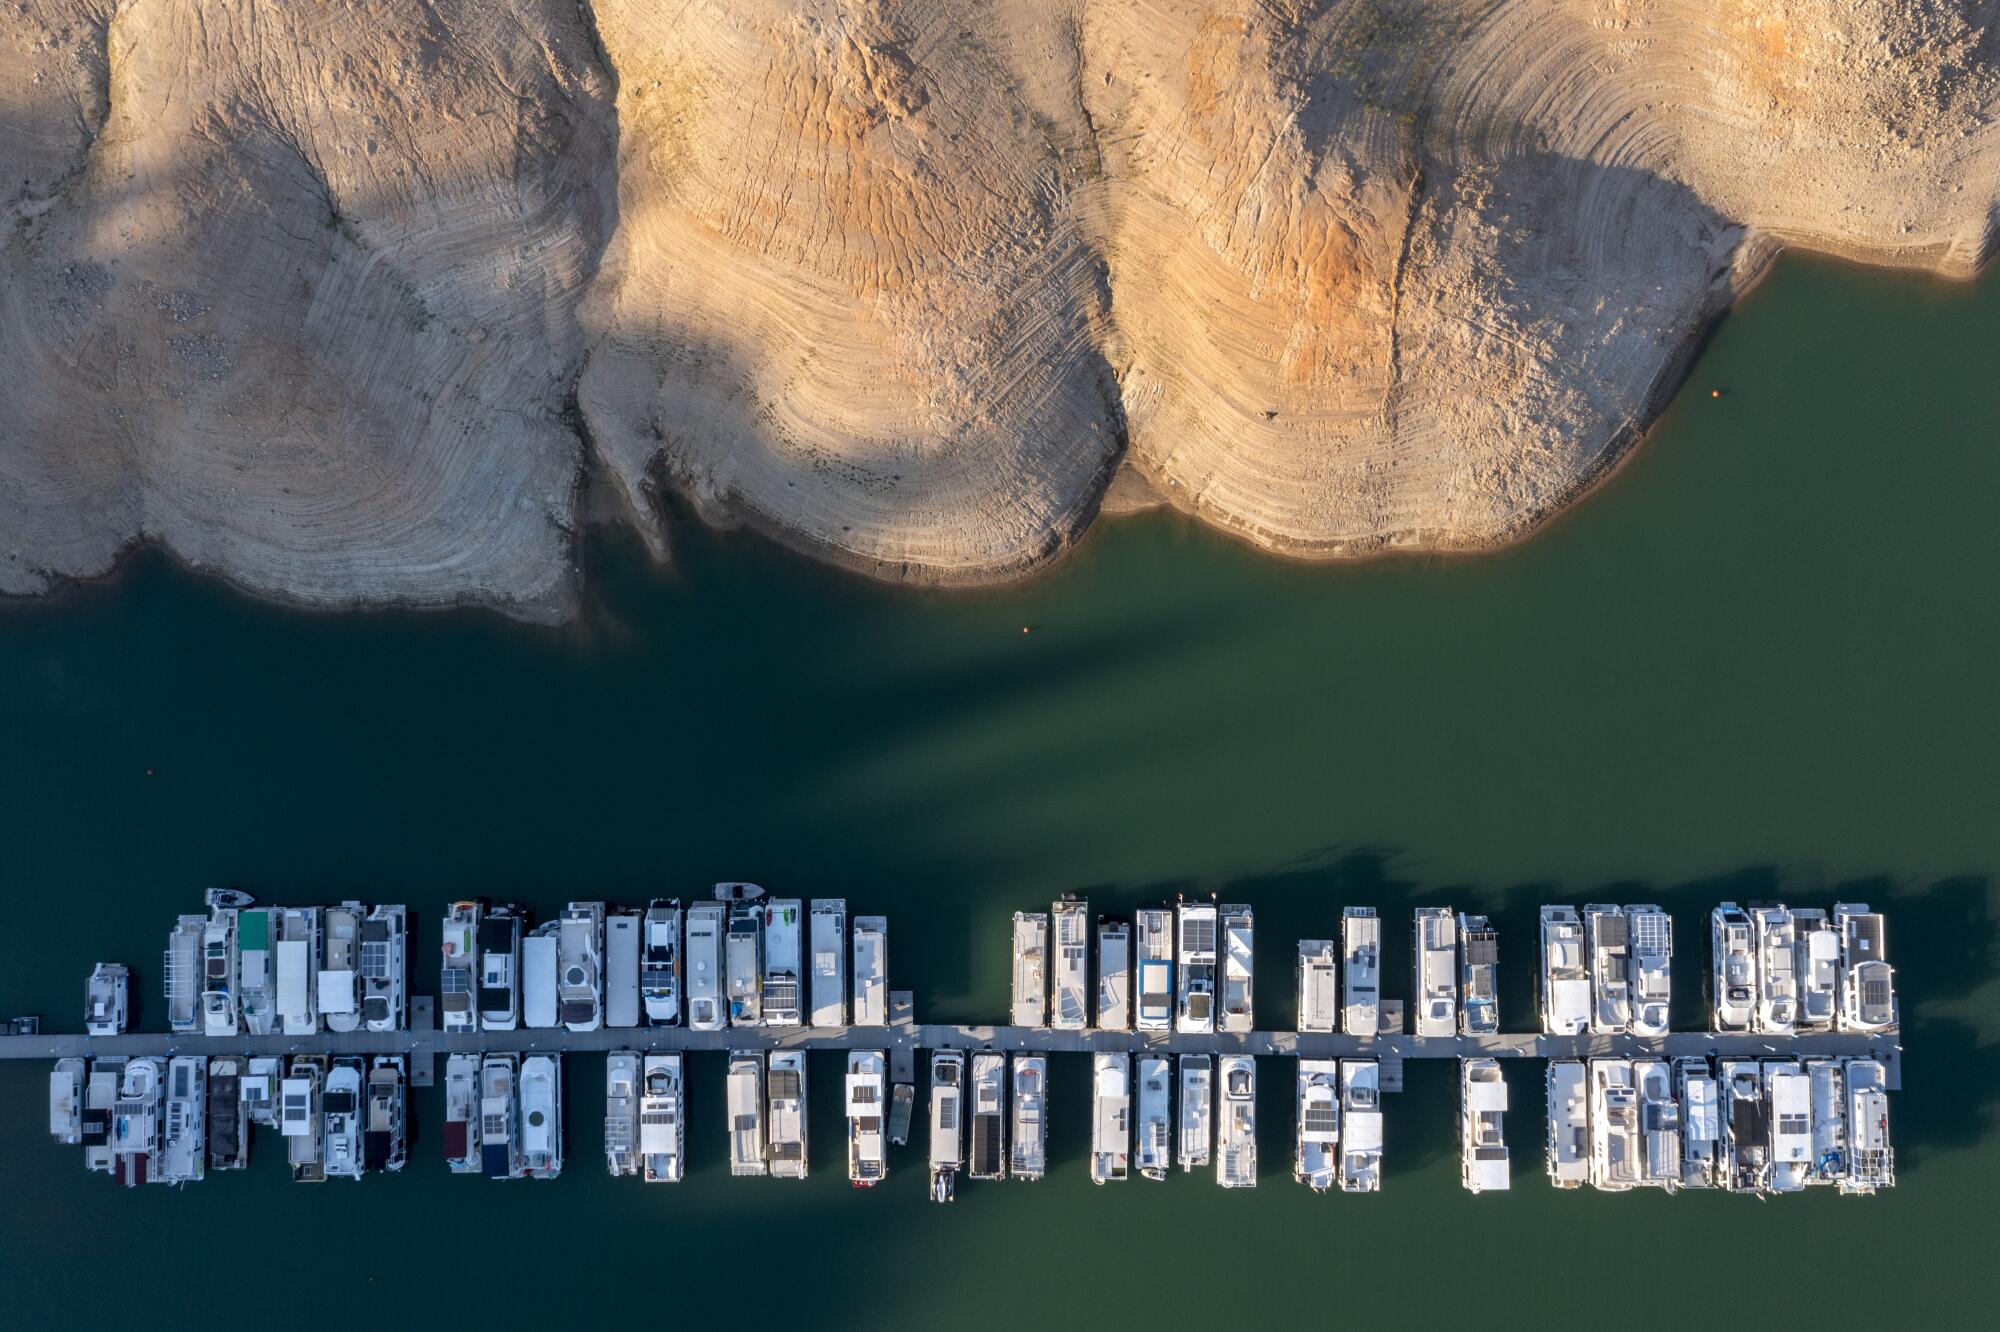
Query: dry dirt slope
[[317, 293]]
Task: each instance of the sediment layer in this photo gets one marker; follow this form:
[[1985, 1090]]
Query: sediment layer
[[338, 299]]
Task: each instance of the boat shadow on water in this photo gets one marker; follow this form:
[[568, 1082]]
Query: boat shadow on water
[[1941, 940]]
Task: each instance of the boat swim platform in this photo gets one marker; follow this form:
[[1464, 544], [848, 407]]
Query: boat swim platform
[[905, 1038]]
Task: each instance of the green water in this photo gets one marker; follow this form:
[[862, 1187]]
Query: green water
[[1760, 662]]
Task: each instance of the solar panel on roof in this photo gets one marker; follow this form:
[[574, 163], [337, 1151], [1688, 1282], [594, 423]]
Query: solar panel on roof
[[1482, 950]]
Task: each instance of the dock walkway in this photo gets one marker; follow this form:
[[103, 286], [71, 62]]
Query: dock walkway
[[911, 1036]]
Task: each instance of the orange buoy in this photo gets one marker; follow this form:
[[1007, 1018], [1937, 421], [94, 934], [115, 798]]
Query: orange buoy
[[1715, 393]]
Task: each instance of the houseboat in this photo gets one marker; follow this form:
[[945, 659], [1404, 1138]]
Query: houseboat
[[1361, 974], [1031, 969]]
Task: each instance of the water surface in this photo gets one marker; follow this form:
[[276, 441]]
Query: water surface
[[1760, 662]]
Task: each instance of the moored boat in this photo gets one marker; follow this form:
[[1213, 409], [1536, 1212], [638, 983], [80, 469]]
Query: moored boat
[[1733, 975], [621, 1113], [181, 973], [107, 1000], [1069, 981], [256, 969], [743, 1098], [1114, 975], [1110, 1115], [1652, 969], [947, 1145], [1478, 976], [1028, 1117], [1614, 1125], [1871, 1162], [100, 1100], [1435, 971], [499, 941], [1609, 935], [462, 1113], [384, 969], [383, 1126], [541, 1116], [219, 1015], [785, 1101], [1030, 1007], [783, 981], [1236, 1122], [1482, 1137], [867, 1106], [828, 939], [621, 968], [1818, 970], [1777, 969], [1360, 1125], [1746, 1127], [706, 1007], [1790, 1094], [1196, 1121], [66, 1093], [136, 1121], [1568, 1123], [987, 1155], [341, 1111], [259, 1086], [662, 1122], [1152, 1147], [184, 1136], [1701, 1122], [298, 971], [228, 1126], [299, 1118], [1867, 982], [1829, 1121], [1660, 1151], [579, 979], [541, 976], [1361, 971], [743, 964], [1316, 1157], [499, 1142], [1319, 986], [1236, 1010], [1153, 931], [458, 943], [1565, 975], [871, 971], [1195, 958], [660, 962], [340, 968]]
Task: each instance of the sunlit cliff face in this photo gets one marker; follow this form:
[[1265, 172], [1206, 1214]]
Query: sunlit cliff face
[[339, 299]]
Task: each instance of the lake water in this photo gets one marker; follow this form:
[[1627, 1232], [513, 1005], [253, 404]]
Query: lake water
[[1761, 662]]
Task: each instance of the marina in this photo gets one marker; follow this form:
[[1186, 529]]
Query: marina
[[1024, 741], [1630, 1104]]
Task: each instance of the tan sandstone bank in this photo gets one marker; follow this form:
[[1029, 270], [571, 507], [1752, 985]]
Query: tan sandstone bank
[[334, 299]]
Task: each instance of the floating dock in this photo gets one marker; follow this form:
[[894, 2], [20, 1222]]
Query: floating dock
[[1858, 1038]]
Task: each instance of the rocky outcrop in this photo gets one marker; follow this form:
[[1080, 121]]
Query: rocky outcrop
[[290, 289], [337, 299]]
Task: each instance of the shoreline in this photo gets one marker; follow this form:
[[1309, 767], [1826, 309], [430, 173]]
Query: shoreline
[[1119, 492]]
